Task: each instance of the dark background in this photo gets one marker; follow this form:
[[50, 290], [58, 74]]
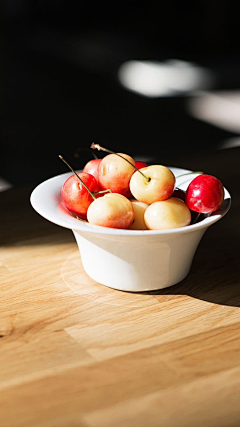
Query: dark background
[[59, 85]]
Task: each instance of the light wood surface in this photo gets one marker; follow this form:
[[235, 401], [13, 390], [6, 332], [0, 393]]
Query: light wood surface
[[77, 354]]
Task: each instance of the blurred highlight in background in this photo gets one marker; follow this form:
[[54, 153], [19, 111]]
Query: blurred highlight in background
[[169, 78]]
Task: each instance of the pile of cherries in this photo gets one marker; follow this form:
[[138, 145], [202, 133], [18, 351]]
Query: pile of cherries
[[117, 192]]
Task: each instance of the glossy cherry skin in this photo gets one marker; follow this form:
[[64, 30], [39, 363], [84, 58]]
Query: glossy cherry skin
[[205, 194], [167, 214], [112, 210], [115, 173], [75, 196], [92, 167], [140, 164], [154, 184]]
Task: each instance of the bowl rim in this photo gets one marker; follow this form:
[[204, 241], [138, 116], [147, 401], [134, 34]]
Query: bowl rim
[[46, 201]]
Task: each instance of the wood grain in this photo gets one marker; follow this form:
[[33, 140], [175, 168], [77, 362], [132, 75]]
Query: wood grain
[[77, 354]]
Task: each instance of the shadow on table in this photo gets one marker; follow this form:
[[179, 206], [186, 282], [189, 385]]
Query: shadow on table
[[213, 276]]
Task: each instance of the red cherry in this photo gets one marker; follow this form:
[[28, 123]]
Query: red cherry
[[75, 196], [140, 165], [205, 194], [92, 167]]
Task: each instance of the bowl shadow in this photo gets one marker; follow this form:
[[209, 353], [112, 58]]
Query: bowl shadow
[[214, 275]]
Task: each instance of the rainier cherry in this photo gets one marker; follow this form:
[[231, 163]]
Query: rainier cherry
[[111, 210], [92, 167], [167, 214], [139, 210], [154, 183], [115, 171], [205, 194]]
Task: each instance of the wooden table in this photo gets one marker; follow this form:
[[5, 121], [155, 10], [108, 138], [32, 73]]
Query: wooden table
[[77, 354]]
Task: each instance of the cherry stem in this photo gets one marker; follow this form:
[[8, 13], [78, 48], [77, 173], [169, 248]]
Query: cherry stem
[[100, 148], [104, 191], [83, 183]]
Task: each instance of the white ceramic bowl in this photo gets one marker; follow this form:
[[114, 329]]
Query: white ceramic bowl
[[128, 260]]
